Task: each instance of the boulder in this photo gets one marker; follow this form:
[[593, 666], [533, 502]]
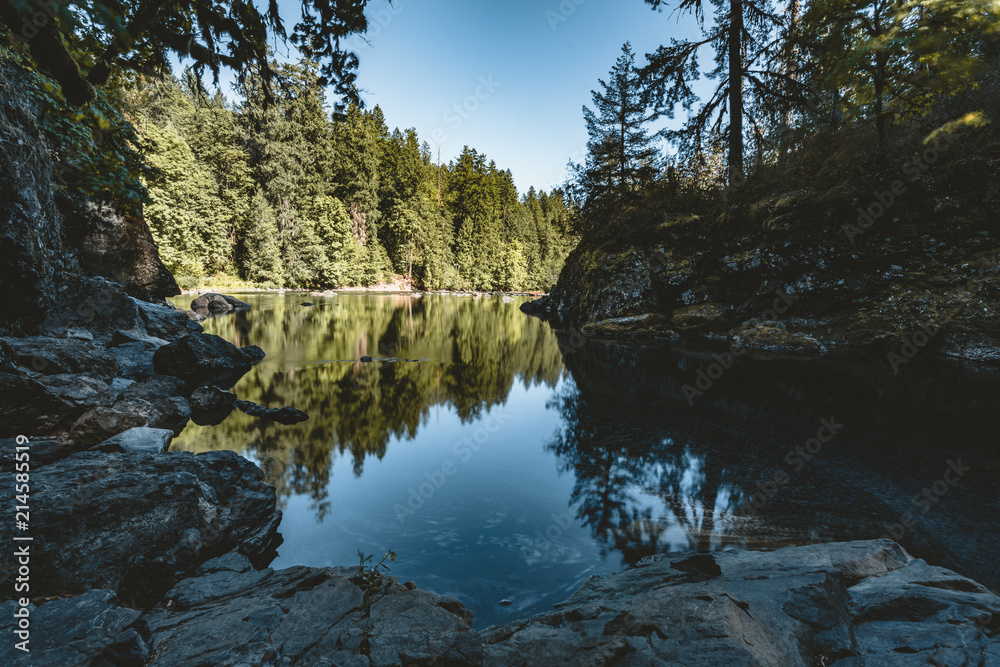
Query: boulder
[[78, 390], [205, 359], [154, 388], [307, 616], [218, 303], [840, 604], [211, 405], [138, 440], [166, 322], [29, 407], [121, 337], [44, 450], [285, 415], [847, 603], [94, 304], [91, 629], [137, 524], [100, 423], [55, 356], [538, 307], [115, 242]]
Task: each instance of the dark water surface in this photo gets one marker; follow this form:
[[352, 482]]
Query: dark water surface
[[501, 462]]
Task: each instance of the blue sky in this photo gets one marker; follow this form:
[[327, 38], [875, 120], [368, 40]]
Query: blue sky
[[507, 78]]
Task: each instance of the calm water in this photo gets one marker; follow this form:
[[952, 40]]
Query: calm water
[[502, 462]]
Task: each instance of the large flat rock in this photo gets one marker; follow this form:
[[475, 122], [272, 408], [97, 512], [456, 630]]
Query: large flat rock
[[138, 523], [851, 604]]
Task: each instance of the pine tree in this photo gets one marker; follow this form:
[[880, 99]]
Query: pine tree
[[748, 68], [621, 156]]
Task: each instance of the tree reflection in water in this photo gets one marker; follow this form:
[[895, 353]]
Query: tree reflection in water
[[429, 351]]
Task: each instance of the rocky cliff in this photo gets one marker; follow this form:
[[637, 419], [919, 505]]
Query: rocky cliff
[[49, 236], [899, 256]]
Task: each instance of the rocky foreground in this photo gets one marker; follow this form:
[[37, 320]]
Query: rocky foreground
[[853, 603]]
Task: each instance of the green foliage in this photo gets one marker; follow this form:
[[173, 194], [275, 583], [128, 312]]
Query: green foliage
[[371, 575], [94, 148]]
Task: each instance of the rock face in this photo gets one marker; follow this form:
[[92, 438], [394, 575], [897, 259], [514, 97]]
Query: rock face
[[831, 604], [117, 245], [840, 604], [138, 523], [46, 244], [31, 245], [72, 632], [308, 616], [205, 359], [784, 279]]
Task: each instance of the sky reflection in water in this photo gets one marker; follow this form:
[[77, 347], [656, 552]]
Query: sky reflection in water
[[498, 472]]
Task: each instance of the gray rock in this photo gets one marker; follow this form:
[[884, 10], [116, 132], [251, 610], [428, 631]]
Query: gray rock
[[285, 415], [135, 360], [795, 606], [138, 440], [44, 450], [165, 321], [119, 385], [100, 423], [27, 406], [138, 524], [55, 356], [93, 304], [211, 405], [90, 629], [154, 388], [79, 334], [218, 303], [122, 337], [846, 604], [307, 616], [78, 390], [204, 359]]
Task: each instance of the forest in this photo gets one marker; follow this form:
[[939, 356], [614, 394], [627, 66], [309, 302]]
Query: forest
[[286, 194]]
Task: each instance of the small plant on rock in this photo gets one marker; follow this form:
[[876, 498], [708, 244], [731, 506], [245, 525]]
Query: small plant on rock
[[371, 575]]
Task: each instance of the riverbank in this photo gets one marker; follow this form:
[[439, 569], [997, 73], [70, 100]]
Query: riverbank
[[875, 256]]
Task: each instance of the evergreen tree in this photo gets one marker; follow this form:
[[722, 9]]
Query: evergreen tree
[[748, 69], [187, 221], [621, 156]]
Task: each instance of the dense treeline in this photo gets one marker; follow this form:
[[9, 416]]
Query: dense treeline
[[289, 194], [846, 91]]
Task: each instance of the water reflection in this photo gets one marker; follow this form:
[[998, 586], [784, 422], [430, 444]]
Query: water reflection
[[600, 460], [655, 473], [428, 351]]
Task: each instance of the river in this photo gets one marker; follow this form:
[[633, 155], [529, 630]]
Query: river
[[505, 463]]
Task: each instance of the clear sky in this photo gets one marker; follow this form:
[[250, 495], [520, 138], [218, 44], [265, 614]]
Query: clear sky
[[508, 78]]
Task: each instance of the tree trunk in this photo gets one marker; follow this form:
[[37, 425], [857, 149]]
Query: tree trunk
[[880, 62], [736, 176], [790, 58]]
